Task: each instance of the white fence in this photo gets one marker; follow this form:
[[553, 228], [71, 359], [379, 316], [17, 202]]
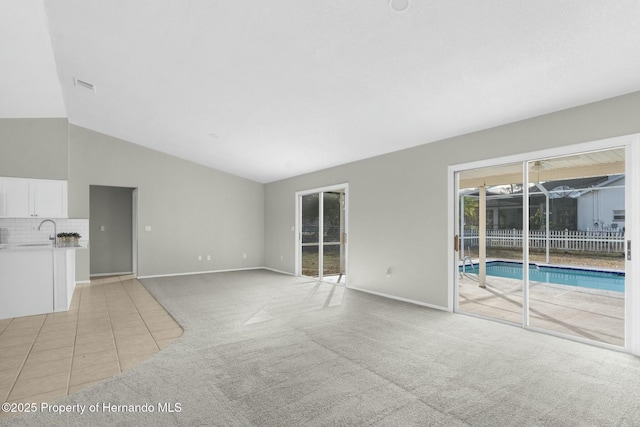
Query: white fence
[[564, 240]]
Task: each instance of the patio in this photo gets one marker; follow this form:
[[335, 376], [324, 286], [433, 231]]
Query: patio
[[585, 313]]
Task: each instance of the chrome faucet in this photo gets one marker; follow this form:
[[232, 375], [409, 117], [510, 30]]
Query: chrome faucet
[[55, 230]]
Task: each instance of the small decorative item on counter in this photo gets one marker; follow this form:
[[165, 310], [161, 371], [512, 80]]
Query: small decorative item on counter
[[68, 239]]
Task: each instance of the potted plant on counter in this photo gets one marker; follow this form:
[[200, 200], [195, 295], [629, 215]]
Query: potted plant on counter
[[68, 239]]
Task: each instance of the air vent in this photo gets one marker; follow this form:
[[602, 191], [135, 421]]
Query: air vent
[[81, 83]]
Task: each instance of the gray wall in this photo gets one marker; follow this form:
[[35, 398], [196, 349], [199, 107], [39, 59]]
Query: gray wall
[[398, 202], [34, 148], [192, 210], [398, 211], [110, 229]]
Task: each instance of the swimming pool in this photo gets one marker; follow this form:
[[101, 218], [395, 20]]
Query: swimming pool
[[594, 279]]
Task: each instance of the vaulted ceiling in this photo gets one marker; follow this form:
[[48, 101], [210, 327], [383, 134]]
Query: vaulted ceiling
[[268, 89]]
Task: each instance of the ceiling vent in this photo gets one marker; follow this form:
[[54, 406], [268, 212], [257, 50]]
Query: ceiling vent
[[81, 83]]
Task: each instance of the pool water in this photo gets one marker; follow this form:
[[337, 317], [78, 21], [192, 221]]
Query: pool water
[[594, 279]]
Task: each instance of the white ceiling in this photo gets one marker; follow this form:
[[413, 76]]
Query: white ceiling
[[292, 86]]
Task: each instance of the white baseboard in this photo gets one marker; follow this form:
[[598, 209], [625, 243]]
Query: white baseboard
[[410, 301], [380, 294], [200, 272], [278, 271], [122, 273]]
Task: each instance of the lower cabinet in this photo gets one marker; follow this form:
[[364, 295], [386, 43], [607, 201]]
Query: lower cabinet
[[26, 283], [36, 281]]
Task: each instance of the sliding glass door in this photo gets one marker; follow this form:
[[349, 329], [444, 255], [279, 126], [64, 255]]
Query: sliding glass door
[[310, 235], [333, 244], [577, 245], [548, 254], [491, 196], [322, 234]]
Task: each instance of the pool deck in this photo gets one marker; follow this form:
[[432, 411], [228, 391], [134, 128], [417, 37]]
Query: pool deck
[[586, 313]]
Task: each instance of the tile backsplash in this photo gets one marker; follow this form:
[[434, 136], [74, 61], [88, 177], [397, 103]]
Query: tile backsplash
[[25, 230]]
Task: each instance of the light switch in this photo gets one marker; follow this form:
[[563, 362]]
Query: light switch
[[102, 228], [147, 228]]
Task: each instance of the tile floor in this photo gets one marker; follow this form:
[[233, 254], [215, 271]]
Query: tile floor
[[113, 324]]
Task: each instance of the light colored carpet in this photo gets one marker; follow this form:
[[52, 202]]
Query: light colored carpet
[[264, 349]]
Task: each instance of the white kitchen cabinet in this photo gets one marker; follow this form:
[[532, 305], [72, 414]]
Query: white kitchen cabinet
[[33, 198], [14, 197], [36, 280], [48, 198], [26, 283]]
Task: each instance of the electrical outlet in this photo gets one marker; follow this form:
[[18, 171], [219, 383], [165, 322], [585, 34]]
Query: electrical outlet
[[244, 255], [102, 228], [208, 257], [281, 258], [199, 257], [147, 228]]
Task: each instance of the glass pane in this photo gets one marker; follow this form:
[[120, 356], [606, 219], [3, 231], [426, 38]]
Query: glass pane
[[577, 227], [331, 261], [310, 235], [333, 248], [310, 218], [310, 261], [332, 217], [490, 256]]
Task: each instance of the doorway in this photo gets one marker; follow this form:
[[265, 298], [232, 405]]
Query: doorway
[[321, 233], [113, 230], [542, 243]]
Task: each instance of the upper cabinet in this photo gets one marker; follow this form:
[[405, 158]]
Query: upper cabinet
[[31, 198], [14, 197]]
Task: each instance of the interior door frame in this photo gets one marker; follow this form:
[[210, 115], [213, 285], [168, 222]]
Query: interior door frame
[[134, 231], [298, 228], [631, 143]]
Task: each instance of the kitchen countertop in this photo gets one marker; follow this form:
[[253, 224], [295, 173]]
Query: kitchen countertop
[[82, 244]]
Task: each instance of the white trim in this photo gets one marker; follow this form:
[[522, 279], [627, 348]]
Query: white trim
[[134, 230], [565, 150], [279, 271], [632, 233], [525, 244], [320, 236], [298, 227], [78, 282], [119, 273], [453, 224], [632, 269], [393, 297], [328, 188], [191, 273], [297, 238], [380, 294]]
